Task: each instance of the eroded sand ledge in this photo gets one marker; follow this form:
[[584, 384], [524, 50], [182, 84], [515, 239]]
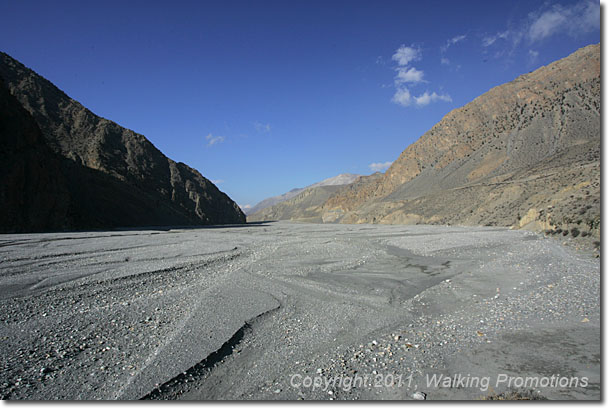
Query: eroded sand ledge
[[113, 315]]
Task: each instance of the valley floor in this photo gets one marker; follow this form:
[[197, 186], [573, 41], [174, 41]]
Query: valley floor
[[297, 311]]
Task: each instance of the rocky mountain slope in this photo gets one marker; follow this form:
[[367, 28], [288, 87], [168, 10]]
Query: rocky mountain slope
[[33, 193], [341, 179], [94, 173], [525, 154]]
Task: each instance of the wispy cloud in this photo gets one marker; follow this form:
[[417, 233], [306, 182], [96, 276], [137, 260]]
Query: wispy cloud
[[217, 181], [245, 207], [213, 140], [449, 43], [549, 20], [379, 166], [260, 127], [489, 40], [452, 41], [578, 19], [547, 24]]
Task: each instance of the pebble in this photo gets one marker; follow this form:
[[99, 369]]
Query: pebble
[[419, 395]]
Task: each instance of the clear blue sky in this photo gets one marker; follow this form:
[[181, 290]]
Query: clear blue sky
[[265, 96]]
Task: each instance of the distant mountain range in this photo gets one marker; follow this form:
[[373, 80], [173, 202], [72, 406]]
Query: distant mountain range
[[65, 168], [342, 179], [525, 154]]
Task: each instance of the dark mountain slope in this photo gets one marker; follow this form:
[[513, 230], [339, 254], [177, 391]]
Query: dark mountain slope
[[115, 176]]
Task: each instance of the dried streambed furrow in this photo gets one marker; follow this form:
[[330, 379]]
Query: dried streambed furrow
[[248, 312]]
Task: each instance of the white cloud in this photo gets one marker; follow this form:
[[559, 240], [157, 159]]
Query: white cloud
[[488, 41], [245, 207], [380, 166], [533, 54], [427, 98], [213, 140], [404, 55], [548, 23], [580, 18], [550, 20], [453, 41], [217, 181], [445, 61], [402, 96], [412, 75], [260, 127]]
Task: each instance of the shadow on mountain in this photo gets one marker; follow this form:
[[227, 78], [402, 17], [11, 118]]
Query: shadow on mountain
[[43, 191]]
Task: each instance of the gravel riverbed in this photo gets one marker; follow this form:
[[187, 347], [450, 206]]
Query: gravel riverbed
[[287, 311]]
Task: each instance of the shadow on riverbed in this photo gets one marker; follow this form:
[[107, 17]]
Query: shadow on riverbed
[[150, 228], [188, 227]]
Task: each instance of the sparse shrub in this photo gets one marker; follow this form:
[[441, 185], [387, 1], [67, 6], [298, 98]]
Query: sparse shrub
[[526, 395], [575, 232], [565, 233], [594, 223]]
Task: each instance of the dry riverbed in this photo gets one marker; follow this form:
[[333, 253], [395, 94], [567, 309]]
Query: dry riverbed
[[297, 311]]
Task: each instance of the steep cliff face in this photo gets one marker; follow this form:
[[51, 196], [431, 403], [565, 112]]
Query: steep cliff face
[[151, 188], [527, 145], [33, 193]]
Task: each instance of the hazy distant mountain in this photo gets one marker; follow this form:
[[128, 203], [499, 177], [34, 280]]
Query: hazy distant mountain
[[524, 154], [342, 179], [306, 205], [66, 168]]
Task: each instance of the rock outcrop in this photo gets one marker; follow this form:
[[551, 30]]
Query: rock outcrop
[[93, 173]]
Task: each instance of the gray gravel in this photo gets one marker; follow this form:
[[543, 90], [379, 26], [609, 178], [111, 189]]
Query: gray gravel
[[257, 311]]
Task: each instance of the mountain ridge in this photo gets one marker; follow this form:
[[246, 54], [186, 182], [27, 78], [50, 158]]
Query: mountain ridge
[[525, 154], [442, 144], [341, 179], [305, 205], [170, 193]]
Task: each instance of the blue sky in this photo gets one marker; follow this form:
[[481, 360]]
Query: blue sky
[[265, 96]]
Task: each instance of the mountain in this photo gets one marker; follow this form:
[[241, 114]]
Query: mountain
[[66, 168], [342, 179], [525, 154], [265, 203]]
